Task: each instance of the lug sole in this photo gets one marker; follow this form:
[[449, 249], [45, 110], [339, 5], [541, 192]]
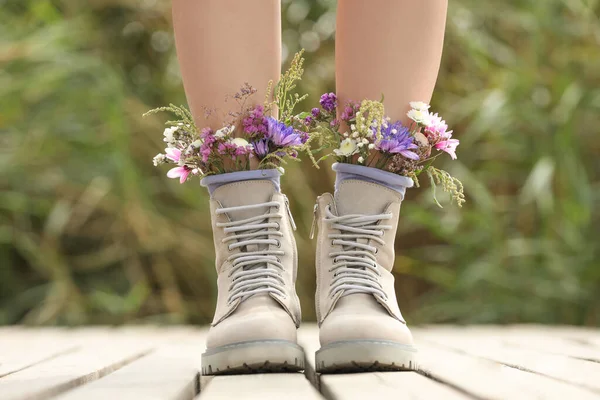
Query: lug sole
[[365, 356], [252, 357]]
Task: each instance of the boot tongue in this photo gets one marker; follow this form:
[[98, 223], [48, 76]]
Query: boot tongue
[[243, 194], [354, 196]]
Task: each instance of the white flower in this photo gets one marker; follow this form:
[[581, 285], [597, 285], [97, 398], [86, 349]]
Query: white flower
[[240, 142], [422, 139], [168, 134], [197, 143], [365, 140], [371, 146], [228, 130], [345, 134], [419, 105], [360, 145], [159, 159], [361, 160], [419, 116], [355, 135], [353, 127], [347, 148]]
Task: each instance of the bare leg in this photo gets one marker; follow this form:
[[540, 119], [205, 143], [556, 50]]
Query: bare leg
[[390, 47], [221, 44]]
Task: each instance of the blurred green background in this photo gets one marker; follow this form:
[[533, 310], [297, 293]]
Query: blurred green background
[[92, 233]]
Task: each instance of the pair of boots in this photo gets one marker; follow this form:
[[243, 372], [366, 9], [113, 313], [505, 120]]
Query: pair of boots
[[258, 311]]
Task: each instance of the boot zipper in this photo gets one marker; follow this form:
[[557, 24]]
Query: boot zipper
[[314, 221], [289, 212]]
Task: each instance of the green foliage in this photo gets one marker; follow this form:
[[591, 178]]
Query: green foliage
[[91, 232], [286, 97], [185, 116], [450, 185]]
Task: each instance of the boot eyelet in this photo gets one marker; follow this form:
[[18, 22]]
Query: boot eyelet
[[332, 243], [278, 226], [376, 250], [278, 243]]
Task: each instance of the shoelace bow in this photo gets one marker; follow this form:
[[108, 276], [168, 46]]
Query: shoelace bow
[[257, 270], [355, 266]]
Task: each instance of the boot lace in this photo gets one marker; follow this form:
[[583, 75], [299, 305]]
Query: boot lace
[[256, 268], [355, 266]]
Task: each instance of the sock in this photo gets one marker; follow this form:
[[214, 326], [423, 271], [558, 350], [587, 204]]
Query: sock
[[393, 181], [212, 182]]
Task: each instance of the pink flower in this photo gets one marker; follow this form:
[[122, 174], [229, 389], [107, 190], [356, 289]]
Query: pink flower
[[179, 172], [435, 126], [448, 145], [173, 154]]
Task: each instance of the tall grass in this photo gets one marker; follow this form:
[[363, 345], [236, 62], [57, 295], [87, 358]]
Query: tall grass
[[90, 232]]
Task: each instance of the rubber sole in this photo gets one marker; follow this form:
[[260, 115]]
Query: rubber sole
[[253, 357], [365, 356]]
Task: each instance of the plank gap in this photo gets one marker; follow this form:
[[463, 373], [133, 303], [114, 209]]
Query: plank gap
[[39, 361], [470, 353], [444, 382]]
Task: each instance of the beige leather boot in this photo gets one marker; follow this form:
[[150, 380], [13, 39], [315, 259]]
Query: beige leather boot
[[254, 328], [361, 327]]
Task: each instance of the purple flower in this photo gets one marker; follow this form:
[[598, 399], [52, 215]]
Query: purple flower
[[395, 139], [261, 148], [328, 101], [349, 112], [303, 136], [308, 120], [315, 112], [282, 135], [255, 123]]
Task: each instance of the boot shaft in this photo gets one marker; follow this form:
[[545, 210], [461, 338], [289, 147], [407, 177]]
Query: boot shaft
[[264, 208], [356, 198]]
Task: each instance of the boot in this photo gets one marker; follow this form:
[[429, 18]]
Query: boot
[[360, 325], [258, 311]]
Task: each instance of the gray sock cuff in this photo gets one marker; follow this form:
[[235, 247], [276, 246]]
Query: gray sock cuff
[[212, 182], [393, 181]]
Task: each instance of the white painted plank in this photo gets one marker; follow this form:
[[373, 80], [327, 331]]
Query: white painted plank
[[382, 385], [22, 348], [57, 375], [386, 385], [487, 379], [292, 386], [169, 373], [554, 345], [493, 347]]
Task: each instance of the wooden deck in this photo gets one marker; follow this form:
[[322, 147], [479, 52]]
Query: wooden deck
[[146, 363]]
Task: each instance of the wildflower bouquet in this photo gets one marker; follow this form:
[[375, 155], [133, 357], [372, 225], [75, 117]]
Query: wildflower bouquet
[[371, 139], [250, 139]]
